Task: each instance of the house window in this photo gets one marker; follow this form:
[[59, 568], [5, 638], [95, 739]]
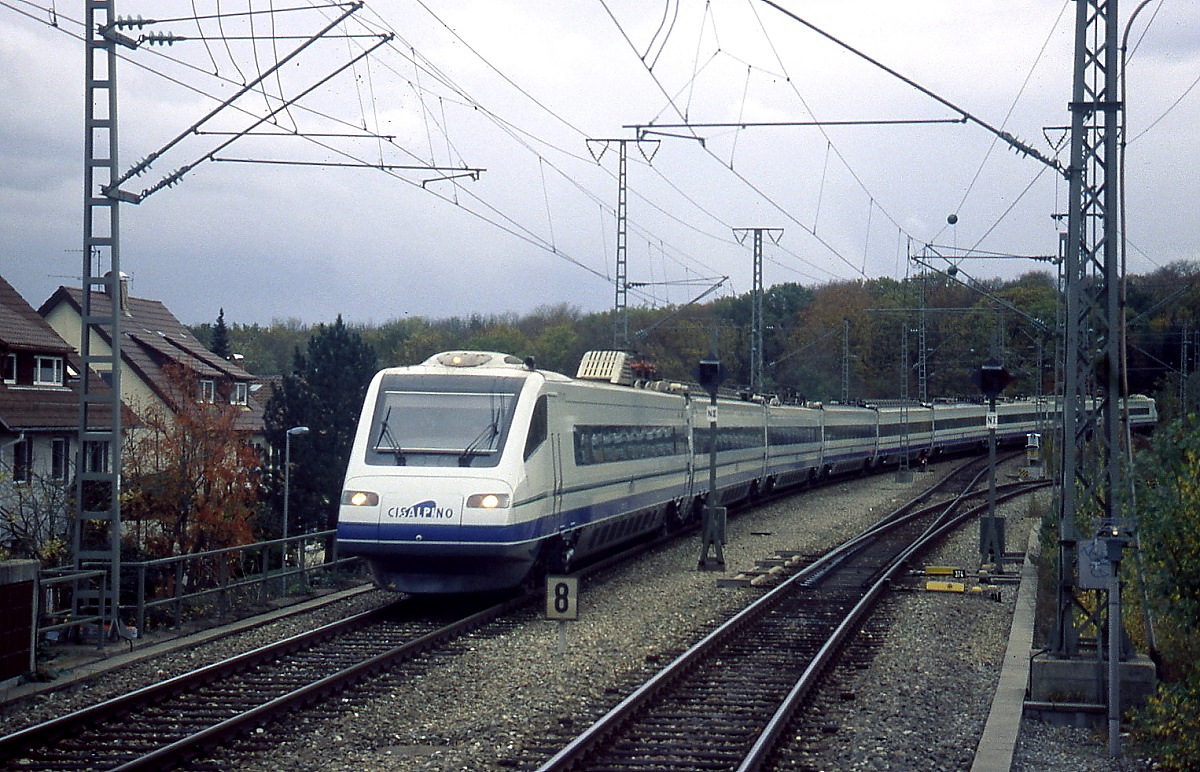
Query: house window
[[241, 394], [10, 368], [208, 390], [23, 461], [95, 456], [48, 371], [59, 459]]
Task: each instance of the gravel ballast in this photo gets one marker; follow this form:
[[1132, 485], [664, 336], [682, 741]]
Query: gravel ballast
[[493, 701]]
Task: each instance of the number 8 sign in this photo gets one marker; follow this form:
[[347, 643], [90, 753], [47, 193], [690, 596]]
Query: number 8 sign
[[562, 597]]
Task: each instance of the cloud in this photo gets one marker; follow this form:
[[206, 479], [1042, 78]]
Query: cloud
[[515, 90]]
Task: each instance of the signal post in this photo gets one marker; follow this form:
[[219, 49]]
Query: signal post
[[710, 372]]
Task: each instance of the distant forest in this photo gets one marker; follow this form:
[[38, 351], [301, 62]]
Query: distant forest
[[807, 333]]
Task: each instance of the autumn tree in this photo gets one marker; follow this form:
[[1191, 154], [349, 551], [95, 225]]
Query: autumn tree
[[812, 361], [191, 478], [965, 325]]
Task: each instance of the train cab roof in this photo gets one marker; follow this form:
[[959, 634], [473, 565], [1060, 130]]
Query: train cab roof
[[487, 359], [486, 362]]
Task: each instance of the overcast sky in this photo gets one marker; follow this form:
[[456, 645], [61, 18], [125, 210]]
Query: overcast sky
[[515, 89]]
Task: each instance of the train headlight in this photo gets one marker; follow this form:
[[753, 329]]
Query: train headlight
[[360, 498], [464, 358], [489, 500]]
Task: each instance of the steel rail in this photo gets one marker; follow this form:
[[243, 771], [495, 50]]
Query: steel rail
[[769, 737], [13, 744], [168, 755], [580, 748]]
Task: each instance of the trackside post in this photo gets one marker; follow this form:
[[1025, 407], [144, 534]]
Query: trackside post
[[710, 372], [562, 603]]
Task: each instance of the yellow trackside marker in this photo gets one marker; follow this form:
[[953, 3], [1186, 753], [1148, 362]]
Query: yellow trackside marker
[[935, 586]]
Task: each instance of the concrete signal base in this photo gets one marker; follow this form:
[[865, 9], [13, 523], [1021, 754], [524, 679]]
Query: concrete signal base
[[1073, 691]]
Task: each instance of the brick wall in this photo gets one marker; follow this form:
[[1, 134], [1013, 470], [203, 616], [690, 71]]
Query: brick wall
[[18, 586]]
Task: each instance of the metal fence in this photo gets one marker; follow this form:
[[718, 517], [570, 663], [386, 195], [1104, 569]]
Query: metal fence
[[170, 592]]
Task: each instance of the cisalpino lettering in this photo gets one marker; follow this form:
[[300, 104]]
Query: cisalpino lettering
[[426, 510]]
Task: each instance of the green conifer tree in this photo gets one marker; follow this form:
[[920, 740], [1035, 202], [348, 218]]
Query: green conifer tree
[[220, 337], [324, 392]]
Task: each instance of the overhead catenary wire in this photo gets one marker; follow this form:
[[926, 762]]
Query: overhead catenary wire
[[1011, 108], [669, 252], [682, 113], [999, 134], [513, 131], [511, 227], [550, 164], [1015, 143]]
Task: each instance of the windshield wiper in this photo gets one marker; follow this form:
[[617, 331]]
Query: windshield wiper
[[488, 435], [386, 434]]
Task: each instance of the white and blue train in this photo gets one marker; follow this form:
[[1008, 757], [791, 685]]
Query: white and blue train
[[476, 472]]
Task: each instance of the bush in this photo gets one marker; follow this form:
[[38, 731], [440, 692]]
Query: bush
[[1169, 533], [1167, 725]]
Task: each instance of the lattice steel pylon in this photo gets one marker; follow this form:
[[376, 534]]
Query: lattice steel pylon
[[621, 302], [845, 361], [97, 531], [922, 346], [756, 305], [903, 472], [1091, 469], [597, 147]]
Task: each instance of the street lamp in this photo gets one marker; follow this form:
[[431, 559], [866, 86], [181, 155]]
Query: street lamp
[[287, 473]]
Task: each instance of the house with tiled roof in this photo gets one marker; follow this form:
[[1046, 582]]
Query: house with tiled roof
[[154, 342], [39, 424]]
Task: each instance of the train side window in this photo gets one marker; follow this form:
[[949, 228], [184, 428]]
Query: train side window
[[539, 425]]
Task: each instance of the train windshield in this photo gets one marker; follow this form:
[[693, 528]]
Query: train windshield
[[423, 420]]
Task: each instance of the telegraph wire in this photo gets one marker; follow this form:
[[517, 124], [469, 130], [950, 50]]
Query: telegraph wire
[[204, 38], [691, 85], [496, 218], [666, 9], [1141, 37], [512, 130], [494, 69], [833, 250], [257, 63], [1011, 206], [221, 27], [995, 140], [513, 227], [250, 13], [1015, 143], [830, 146], [999, 134], [275, 53], [1167, 112]]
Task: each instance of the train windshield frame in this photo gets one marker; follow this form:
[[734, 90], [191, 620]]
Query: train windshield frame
[[455, 421]]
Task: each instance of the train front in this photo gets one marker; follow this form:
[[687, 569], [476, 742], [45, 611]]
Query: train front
[[430, 495]]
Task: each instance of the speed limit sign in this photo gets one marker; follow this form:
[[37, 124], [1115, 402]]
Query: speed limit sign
[[562, 597]]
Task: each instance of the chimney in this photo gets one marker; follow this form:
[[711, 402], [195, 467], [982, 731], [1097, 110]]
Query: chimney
[[122, 291]]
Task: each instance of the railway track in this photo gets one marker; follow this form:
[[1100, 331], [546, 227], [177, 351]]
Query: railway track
[[169, 723], [180, 720], [727, 702]]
